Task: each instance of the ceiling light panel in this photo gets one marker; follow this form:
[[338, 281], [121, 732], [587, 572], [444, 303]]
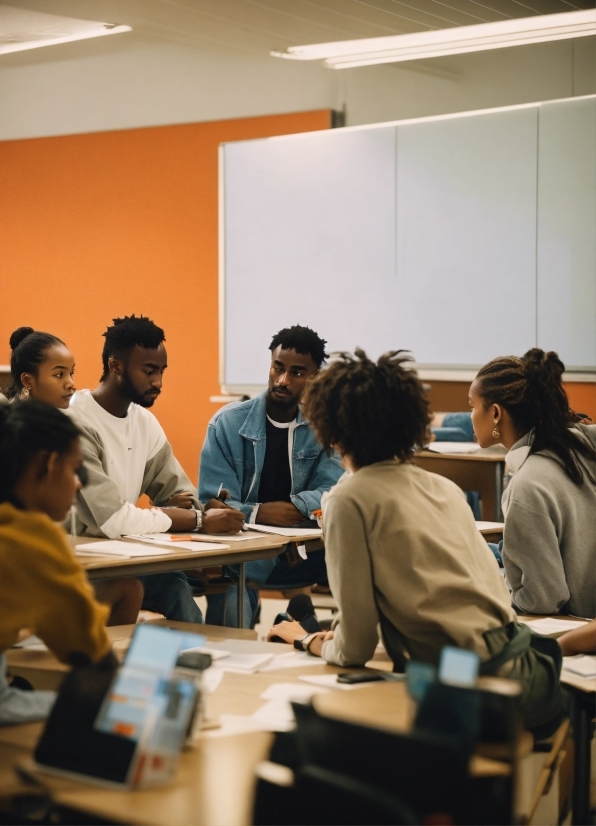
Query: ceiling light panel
[[22, 29]]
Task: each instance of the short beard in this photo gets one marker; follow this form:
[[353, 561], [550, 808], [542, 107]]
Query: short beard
[[280, 404], [129, 390]]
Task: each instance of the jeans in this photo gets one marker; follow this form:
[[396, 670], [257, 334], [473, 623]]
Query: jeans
[[171, 595], [269, 573], [497, 550]]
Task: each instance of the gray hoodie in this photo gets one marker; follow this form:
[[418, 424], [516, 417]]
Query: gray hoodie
[[549, 540]]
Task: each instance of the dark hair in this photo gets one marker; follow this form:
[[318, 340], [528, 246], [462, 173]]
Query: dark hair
[[303, 340], [374, 411], [531, 391], [26, 428], [28, 352], [125, 333]]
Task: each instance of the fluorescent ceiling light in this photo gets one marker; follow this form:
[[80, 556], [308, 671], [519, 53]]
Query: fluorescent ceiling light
[[22, 29], [346, 54]]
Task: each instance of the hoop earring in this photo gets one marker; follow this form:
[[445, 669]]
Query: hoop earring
[[496, 433], [25, 393]]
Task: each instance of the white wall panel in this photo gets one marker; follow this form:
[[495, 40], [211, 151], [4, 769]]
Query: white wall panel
[[467, 236], [567, 231], [309, 239]]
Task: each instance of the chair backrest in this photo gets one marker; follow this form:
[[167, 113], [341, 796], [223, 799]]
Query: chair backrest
[[424, 772]]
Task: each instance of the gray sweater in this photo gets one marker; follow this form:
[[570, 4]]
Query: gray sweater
[[549, 541]]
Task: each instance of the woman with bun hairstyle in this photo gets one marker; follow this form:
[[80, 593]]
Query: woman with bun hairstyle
[[42, 369], [42, 586], [549, 540]]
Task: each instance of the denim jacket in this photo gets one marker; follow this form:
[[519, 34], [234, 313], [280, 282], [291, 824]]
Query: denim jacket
[[234, 452]]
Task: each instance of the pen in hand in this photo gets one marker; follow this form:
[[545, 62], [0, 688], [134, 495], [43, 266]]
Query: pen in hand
[[223, 494]]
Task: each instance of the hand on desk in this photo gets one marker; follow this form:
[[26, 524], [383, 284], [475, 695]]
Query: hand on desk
[[222, 520], [290, 631], [281, 514], [184, 499]]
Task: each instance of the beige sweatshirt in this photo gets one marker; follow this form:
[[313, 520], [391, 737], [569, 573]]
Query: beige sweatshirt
[[403, 542]]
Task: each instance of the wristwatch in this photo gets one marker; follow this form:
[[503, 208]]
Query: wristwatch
[[302, 645], [199, 515]]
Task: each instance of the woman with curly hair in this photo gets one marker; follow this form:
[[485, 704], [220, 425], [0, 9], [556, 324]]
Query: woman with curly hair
[[403, 550], [549, 540]]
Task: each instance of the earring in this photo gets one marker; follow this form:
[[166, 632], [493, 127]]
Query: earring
[[25, 393], [496, 433]]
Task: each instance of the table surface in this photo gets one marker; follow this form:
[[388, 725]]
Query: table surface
[[263, 546], [494, 458], [201, 790]]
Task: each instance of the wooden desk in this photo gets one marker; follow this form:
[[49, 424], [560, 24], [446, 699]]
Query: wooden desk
[[263, 546], [483, 473], [45, 672]]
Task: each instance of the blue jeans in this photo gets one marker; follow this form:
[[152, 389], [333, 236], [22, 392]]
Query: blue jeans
[[269, 573], [497, 551], [171, 595]]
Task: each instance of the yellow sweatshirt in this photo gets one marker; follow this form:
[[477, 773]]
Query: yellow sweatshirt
[[44, 588]]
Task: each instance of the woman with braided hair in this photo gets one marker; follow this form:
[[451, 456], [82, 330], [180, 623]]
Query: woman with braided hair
[[402, 548], [549, 540]]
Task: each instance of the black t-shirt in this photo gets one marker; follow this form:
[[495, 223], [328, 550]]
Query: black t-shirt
[[276, 478]]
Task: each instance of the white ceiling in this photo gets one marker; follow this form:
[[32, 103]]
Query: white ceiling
[[258, 26]]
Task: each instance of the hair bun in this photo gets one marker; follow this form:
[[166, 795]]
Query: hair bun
[[18, 336], [541, 367]]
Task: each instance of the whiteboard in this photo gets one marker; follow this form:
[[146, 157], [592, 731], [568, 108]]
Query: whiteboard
[[466, 237], [566, 287], [441, 235], [309, 239]]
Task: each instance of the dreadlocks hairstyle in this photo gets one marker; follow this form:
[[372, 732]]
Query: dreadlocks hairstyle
[[303, 340], [26, 428], [374, 411], [125, 333], [28, 352], [531, 391]]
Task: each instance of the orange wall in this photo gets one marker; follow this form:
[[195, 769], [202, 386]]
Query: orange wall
[[112, 223]]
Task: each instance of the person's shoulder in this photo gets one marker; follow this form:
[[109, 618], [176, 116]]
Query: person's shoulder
[[30, 530], [233, 412], [79, 404], [587, 432]]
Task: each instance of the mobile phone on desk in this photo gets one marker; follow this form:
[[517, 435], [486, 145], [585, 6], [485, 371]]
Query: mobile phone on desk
[[354, 679]]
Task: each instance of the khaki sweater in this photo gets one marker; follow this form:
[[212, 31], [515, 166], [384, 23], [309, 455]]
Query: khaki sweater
[[403, 542], [44, 588]]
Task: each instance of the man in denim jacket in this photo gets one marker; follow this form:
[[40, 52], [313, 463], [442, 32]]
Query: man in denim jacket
[[265, 454]]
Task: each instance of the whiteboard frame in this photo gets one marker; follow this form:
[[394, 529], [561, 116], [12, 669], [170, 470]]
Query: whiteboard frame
[[428, 372]]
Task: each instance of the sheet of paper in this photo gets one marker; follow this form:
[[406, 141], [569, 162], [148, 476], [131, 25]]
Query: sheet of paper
[[584, 665], [243, 663], [212, 677], [453, 447], [329, 681], [177, 538], [275, 715], [291, 692], [552, 625], [490, 526], [298, 532], [213, 652], [114, 547], [31, 643], [293, 659]]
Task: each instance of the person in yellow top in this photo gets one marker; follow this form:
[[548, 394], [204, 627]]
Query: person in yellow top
[[42, 585]]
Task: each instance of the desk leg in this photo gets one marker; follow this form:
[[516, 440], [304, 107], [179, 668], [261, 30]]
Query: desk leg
[[241, 590], [582, 711], [498, 491]]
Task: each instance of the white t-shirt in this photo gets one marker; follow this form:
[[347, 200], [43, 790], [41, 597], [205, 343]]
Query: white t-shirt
[[129, 442]]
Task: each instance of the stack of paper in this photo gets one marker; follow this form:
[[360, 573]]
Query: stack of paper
[[486, 527], [551, 626], [584, 666], [300, 532], [453, 447], [243, 663], [177, 538], [113, 547]]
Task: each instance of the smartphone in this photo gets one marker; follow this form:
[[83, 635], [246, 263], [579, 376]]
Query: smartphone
[[353, 679]]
